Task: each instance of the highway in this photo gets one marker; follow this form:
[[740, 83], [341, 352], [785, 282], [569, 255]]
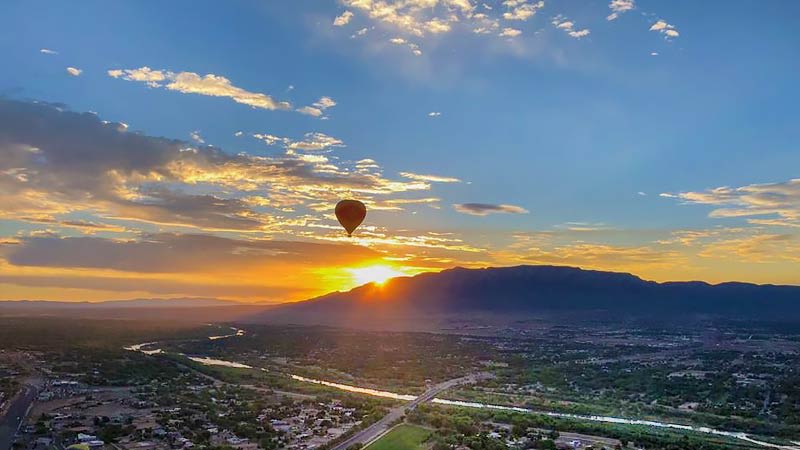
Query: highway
[[378, 428], [15, 415]]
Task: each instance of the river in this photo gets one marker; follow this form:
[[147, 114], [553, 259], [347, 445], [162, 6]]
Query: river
[[590, 418], [236, 332]]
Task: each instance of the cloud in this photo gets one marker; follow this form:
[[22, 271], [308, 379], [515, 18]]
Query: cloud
[[315, 142], [414, 17], [360, 32], [619, 7], [756, 248], [153, 78], [568, 26], [763, 204], [176, 253], [584, 226], [521, 10], [318, 108], [311, 142], [343, 19], [414, 47], [47, 51], [484, 24], [434, 114], [604, 256], [270, 139], [579, 33], [431, 178], [484, 209], [192, 83], [184, 264], [84, 226], [195, 135], [510, 32], [664, 28], [74, 72], [56, 162]]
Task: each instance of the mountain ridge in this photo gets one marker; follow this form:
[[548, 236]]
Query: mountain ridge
[[531, 290]]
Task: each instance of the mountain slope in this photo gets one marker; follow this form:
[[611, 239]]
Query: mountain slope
[[530, 290]]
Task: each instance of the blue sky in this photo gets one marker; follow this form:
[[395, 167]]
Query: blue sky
[[617, 130]]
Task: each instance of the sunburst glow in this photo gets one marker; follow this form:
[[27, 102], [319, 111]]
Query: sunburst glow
[[374, 274]]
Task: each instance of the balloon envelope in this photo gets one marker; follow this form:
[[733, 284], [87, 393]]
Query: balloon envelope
[[350, 214]]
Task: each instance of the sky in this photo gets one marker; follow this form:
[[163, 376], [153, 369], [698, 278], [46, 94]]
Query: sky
[[198, 148]]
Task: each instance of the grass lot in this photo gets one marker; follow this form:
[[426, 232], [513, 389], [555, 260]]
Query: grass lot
[[402, 437]]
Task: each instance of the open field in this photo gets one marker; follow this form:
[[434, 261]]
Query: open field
[[402, 437]]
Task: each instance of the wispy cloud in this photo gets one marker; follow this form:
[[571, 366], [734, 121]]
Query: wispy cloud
[[195, 135], [214, 86], [314, 141], [619, 7], [665, 28], [755, 248], [484, 209], [360, 32], [521, 9], [318, 108], [763, 204], [75, 72], [510, 32], [343, 19], [414, 17], [562, 23], [47, 51], [431, 178], [412, 46]]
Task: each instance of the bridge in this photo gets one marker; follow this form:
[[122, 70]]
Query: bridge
[[383, 425]]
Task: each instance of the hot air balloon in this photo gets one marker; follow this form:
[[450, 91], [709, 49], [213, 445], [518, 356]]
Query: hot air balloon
[[350, 214]]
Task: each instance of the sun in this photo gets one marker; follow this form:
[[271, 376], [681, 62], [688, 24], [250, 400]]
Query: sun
[[374, 274]]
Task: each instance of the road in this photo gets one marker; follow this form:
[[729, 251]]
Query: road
[[378, 428], [15, 415]]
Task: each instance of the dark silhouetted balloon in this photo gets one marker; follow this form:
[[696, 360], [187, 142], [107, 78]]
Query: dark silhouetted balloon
[[350, 214]]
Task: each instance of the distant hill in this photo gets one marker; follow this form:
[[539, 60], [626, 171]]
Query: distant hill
[[186, 302], [173, 309], [524, 291]]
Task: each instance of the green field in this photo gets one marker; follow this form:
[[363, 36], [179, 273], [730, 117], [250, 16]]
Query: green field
[[402, 437]]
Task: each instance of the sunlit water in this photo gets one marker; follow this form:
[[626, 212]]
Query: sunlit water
[[592, 418], [607, 419], [359, 390], [140, 348], [236, 332], [463, 404], [218, 362]]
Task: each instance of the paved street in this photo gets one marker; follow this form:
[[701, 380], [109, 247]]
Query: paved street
[[10, 422], [375, 430]]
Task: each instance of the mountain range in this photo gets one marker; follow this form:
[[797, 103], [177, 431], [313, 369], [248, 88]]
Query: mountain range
[[526, 291], [471, 296]]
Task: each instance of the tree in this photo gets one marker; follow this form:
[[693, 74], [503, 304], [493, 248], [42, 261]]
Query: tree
[[547, 444]]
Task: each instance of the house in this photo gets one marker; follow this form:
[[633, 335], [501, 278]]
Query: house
[[84, 438]]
